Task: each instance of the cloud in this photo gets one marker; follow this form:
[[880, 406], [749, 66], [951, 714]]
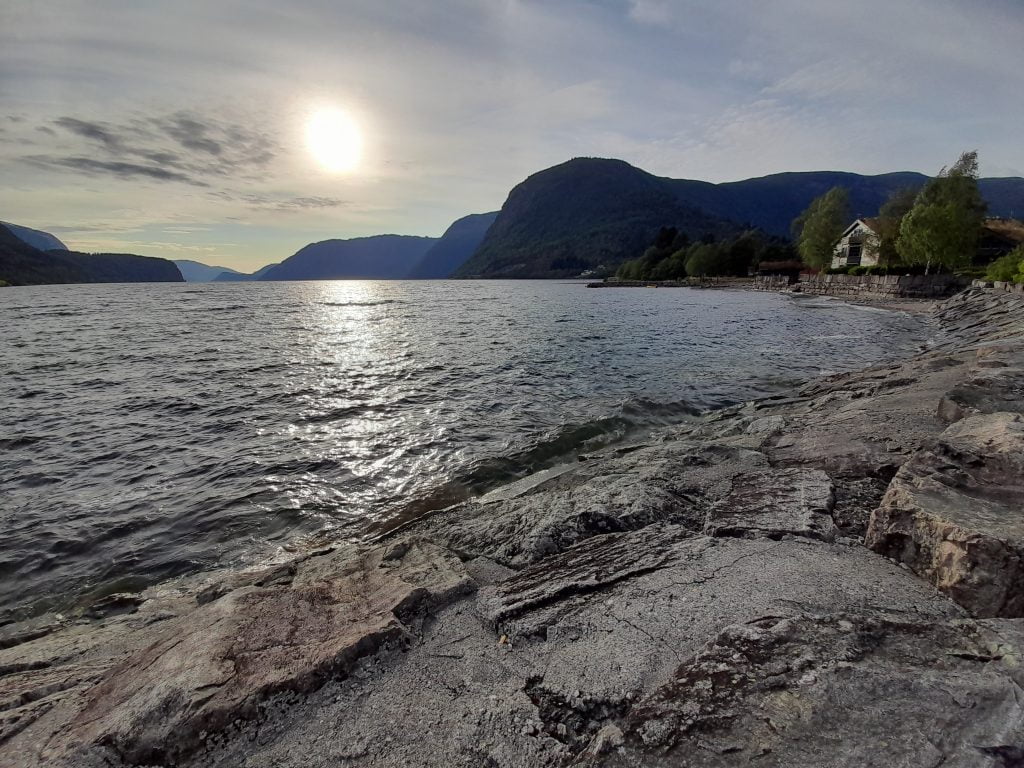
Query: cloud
[[103, 134], [122, 170], [655, 12], [180, 147], [190, 133], [283, 204]]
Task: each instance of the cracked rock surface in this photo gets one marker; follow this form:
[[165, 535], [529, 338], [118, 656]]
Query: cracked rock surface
[[704, 598]]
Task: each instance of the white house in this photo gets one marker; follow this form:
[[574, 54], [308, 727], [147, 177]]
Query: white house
[[858, 245]]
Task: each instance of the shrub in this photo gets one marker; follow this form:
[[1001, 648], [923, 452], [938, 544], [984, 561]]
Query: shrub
[[1007, 268]]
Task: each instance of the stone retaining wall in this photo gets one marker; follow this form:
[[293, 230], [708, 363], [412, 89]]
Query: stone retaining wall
[[998, 285], [874, 286]]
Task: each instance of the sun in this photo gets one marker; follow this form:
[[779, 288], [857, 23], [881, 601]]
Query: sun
[[334, 140]]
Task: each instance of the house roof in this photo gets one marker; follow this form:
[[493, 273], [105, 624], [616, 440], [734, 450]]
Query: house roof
[[869, 222]]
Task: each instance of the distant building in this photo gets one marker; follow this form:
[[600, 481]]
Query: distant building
[[858, 245]]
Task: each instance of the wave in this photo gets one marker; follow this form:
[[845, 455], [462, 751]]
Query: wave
[[380, 303], [21, 441]]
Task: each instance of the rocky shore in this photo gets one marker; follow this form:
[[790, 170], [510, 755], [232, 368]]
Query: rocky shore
[[833, 578]]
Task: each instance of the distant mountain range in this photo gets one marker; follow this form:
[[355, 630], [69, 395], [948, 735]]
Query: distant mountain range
[[585, 216], [381, 257], [456, 245], [230, 276], [197, 272], [22, 264]]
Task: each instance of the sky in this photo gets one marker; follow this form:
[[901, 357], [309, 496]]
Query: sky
[[179, 128]]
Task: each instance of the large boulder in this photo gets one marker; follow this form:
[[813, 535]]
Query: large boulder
[[954, 515]]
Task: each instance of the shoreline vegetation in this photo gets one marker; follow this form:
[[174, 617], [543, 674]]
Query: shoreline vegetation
[[789, 580]]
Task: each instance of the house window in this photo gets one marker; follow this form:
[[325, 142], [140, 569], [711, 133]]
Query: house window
[[853, 254]]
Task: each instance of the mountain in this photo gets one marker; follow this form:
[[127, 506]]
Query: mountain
[[197, 272], [580, 215], [242, 277], [384, 257], [591, 212], [42, 241], [454, 248], [21, 264]]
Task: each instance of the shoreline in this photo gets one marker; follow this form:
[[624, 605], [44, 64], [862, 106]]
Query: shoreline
[[787, 557]]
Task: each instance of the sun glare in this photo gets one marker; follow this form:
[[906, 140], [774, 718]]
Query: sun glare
[[333, 139]]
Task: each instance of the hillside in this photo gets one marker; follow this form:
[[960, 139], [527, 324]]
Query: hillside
[[21, 264], [385, 257], [456, 245], [197, 272], [592, 212], [583, 214], [230, 276], [38, 239]]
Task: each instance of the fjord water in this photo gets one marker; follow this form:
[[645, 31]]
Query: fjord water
[[152, 430]]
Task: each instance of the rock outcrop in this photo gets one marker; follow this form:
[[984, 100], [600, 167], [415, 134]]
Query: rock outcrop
[[954, 513], [704, 598]]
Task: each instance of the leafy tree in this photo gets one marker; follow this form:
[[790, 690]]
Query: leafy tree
[[703, 260], [820, 225], [943, 226], [890, 217]]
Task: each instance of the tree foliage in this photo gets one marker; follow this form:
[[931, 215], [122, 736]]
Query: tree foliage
[[817, 229], [674, 257], [890, 217], [942, 228]]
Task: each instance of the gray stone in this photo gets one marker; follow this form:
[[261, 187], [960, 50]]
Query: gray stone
[[954, 514], [838, 690], [794, 502]]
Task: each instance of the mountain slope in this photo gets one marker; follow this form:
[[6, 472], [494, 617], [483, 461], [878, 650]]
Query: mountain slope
[[580, 215], [21, 264], [197, 272], [385, 257], [455, 247], [242, 277], [39, 240], [591, 212]]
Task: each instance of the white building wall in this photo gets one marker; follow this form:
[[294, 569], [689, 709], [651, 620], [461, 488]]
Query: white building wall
[[860, 236]]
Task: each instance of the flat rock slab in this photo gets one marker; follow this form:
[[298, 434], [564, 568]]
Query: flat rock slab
[[614, 613], [955, 514], [669, 482], [796, 502], [229, 655], [837, 690], [995, 384], [589, 633]]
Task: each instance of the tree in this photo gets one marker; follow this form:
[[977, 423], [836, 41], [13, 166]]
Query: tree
[[817, 228], [890, 217], [943, 226], [703, 260]]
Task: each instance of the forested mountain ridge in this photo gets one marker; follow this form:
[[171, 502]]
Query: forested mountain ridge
[[591, 214]]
